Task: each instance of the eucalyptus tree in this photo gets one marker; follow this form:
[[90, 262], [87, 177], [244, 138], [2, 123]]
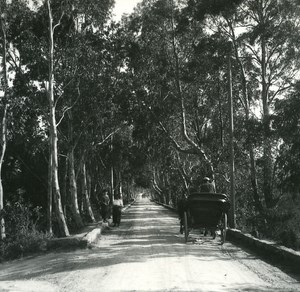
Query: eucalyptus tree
[[267, 53], [286, 123], [70, 18], [84, 14], [264, 45], [4, 106], [272, 44], [221, 18], [176, 65]]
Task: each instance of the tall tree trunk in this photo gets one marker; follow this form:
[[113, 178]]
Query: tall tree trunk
[[50, 193], [73, 190], [64, 191], [267, 145], [120, 185], [86, 193], [4, 105], [232, 213], [156, 187], [2, 153], [221, 118], [180, 95], [72, 176], [246, 104], [63, 228]]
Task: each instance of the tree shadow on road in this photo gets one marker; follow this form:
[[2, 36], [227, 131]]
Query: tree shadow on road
[[143, 236]]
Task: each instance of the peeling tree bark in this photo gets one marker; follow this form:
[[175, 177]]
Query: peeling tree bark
[[86, 193], [63, 228], [73, 190], [4, 105]]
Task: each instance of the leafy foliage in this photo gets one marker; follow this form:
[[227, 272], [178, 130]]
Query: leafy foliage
[[23, 228]]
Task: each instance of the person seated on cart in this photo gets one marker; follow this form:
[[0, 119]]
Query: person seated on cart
[[208, 187]]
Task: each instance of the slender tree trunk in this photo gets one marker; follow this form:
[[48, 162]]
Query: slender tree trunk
[[221, 119], [63, 228], [86, 193], [2, 153], [120, 184], [50, 193], [73, 190], [112, 183], [246, 104], [64, 192], [232, 217], [4, 105], [72, 176], [157, 189], [184, 180], [267, 145]]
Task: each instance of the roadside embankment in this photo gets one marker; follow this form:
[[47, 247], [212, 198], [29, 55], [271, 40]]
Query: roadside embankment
[[84, 238], [262, 247], [266, 248]]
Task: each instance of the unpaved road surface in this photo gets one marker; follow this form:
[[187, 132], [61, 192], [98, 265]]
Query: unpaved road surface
[[147, 253]]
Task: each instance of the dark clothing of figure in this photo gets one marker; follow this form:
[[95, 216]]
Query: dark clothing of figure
[[207, 187], [104, 207], [181, 208], [117, 211]]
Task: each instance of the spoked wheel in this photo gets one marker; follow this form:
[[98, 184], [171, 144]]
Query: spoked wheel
[[186, 230], [224, 228]]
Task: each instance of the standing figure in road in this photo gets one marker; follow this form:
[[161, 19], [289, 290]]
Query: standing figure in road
[[181, 208], [104, 205], [117, 209], [208, 187]]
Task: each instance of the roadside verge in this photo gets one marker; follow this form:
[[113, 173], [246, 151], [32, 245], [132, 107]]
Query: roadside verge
[[262, 247], [265, 248], [84, 238]]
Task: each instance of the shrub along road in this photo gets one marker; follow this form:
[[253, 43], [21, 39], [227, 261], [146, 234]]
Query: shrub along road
[[147, 253]]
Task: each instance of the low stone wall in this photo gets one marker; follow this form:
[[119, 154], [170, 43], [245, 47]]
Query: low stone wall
[[262, 247]]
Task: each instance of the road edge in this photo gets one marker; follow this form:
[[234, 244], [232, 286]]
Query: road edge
[[260, 246], [89, 235]]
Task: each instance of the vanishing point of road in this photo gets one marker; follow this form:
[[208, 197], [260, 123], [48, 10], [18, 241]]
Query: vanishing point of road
[[146, 253]]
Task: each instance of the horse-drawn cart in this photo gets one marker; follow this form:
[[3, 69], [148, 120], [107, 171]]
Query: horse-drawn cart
[[207, 211]]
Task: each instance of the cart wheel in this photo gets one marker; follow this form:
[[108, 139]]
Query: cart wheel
[[186, 231], [224, 229]]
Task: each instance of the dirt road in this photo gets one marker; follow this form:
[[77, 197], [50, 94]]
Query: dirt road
[[147, 253]]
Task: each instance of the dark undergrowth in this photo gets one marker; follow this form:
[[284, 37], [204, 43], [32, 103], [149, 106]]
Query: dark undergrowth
[[24, 235]]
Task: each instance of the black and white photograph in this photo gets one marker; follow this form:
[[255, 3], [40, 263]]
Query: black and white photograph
[[149, 145]]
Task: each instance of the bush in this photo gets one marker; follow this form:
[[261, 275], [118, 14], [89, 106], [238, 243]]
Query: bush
[[29, 242], [22, 234], [288, 238], [284, 222]]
